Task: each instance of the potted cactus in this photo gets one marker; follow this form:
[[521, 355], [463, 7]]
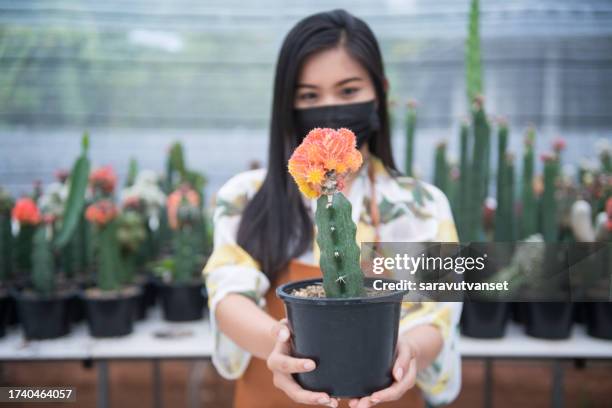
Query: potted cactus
[[341, 308], [181, 287], [6, 258], [43, 304], [109, 304], [131, 235]]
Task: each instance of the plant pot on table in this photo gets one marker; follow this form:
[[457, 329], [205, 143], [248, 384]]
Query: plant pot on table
[[5, 310], [110, 313], [352, 340], [485, 320], [183, 302], [549, 320], [44, 316]]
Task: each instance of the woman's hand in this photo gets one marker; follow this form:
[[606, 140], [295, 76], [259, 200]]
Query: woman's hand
[[283, 365], [404, 374]]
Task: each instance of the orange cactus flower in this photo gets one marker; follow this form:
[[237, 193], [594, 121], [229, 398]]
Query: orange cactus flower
[[104, 178], [25, 211], [174, 202], [101, 212], [321, 163]]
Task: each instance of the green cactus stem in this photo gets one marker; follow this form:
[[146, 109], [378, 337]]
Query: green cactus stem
[[339, 261], [6, 247], [441, 168], [185, 254], [75, 203], [23, 248], [504, 215], [550, 227], [132, 172], [109, 273], [410, 131], [529, 217], [42, 275], [477, 184], [473, 64], [464, 179]]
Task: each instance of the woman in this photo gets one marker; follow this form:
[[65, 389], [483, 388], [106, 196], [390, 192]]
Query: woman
[[329, 74]]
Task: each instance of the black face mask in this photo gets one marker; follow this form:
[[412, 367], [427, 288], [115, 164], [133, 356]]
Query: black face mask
[[361, 118]]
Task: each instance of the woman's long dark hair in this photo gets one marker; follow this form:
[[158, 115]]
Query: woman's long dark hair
[[276, 226]]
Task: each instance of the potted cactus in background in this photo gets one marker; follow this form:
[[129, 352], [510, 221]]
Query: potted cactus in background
[[146, 198], [6, 258], [181, 287], [110, 303], [322, 312], [43, 304]]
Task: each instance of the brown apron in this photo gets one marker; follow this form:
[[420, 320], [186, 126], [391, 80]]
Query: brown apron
[[255, 389]]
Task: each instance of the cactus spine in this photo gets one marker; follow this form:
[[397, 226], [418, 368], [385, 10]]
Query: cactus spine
[[410, 130], [342, 275], [529, 218], [42, 262]]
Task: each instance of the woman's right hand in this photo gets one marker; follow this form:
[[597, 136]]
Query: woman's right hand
[[283, 365]]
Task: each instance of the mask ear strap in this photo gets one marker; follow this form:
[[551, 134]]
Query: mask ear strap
[[374, 213]]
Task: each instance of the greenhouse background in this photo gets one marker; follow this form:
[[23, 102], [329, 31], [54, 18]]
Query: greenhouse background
[[139, 75]]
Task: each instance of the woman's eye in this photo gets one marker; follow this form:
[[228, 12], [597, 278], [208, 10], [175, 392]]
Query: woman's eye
[[307, 96], [349, 91]]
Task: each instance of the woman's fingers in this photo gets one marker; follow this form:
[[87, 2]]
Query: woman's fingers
[[404, 356], [280, 360], [398, 388], [280, 331], [287, 384]]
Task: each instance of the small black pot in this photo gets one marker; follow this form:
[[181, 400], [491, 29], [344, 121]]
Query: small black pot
[[44, 317], [485, 320], [139, 305], [549, 320], [110, 315], [150, 291], [5, 310], [183, 302], [352, 340], [598, 319]]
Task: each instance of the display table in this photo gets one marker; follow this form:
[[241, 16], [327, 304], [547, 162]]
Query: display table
[[156, 340]]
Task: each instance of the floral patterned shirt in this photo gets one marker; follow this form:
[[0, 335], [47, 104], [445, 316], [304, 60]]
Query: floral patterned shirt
[[408, 211]]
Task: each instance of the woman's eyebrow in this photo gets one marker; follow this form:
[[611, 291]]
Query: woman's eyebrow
[[347, 80], [307, 86]]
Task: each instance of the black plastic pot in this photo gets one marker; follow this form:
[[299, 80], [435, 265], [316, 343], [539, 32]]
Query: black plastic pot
[[44, 317], [139, 306], [150, 291], [549, 320], [183, 302], [485, 320], [598, 319], [110, 315], [352, 340], [5, 310]]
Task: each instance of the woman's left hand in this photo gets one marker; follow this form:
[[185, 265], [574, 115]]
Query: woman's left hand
[[404, 375]]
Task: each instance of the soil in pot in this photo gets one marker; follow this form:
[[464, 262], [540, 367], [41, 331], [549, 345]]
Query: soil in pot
[[44, 317], [183, 302], [351, 340], [549, 320], [110, 314], [485, 320], [5, 310]]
